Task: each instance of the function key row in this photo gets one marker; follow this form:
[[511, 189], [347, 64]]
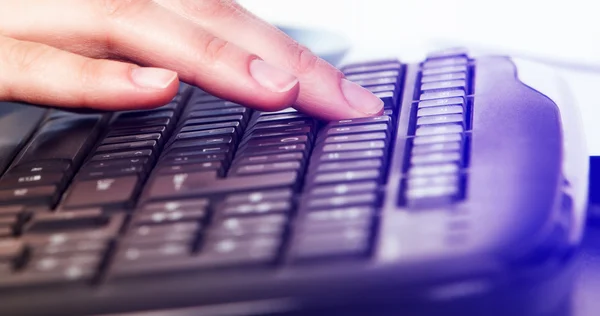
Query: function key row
[[348, 165], [438, 144]]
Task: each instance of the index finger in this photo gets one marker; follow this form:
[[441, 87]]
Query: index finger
[[323, 90]]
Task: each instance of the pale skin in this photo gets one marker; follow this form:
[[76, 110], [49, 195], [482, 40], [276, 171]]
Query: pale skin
[[131, 54]]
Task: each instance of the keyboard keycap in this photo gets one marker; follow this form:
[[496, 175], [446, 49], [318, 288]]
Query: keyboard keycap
[[444, 77], [123, 154], [343, 188], [103, 192], [43, 195], [198, 184], [443, 94]]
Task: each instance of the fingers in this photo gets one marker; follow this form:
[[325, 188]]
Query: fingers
[[40, 74], [152, 35], [323, 91], [148, 34]]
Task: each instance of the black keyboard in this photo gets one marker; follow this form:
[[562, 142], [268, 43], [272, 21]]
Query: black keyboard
[[204, 202]]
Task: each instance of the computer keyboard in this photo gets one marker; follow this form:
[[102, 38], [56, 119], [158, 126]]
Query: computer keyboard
[[204, 202]]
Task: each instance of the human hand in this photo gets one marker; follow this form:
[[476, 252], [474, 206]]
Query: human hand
[[131, 54]]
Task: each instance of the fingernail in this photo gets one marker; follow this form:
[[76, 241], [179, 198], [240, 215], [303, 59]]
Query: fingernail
[[271, 77], [360, 98], [152, 78]]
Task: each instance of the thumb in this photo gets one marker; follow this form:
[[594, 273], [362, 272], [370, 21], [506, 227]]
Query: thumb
[[41, 74]]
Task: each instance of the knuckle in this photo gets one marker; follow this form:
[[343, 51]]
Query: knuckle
[[213, 49], [25, 56], [89, 72], [302, 60], [119, 8], [209, 8]]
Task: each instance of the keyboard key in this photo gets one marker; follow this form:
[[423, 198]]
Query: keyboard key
[[210, 120], [441, 85], [267, 126], [259, 196], [276, 141], [283, 131], [103, 192], [369, 199], [217, 112], [343, 176], [42, 195], [208, 141], [350, 155], [382, 88], [437, 147], [131, 138], [376, 81], [123, 154], [343, 188], [340, 215], [116, 163], [38, 179], [210, 105], [280, 117], [166, 233], [66, 138], [433, 170], [440, 138], [143, 115], [440, 119], [439, 157], [126, 131], [432, 192], [263, 151], [207, 133], [441, 110], [272, 158], [355, 137], [371, 75], [60, 166], [204, 127], [445, 69], [357, 129], [139, 255], [443, 94], [444, 77], [198, 184], [233, 251], [192, 167], [442, 102], [220, 253], [170, 216], [351, 242], [350, 165], [143, 122], [145, 144], [273, 224], [445, 62], [435, 181], [50, 269], [354, 146], [437, 129], [267, 207], [354, 69], [192, 159], [266, 168], [361, 121], [208, 150]]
